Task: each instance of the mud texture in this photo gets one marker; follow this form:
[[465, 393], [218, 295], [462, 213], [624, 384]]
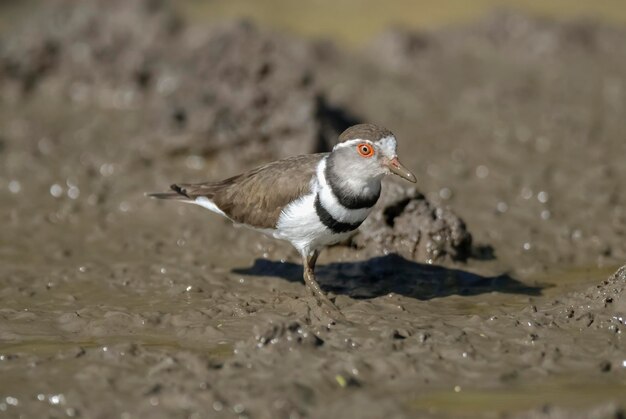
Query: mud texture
[[407, 224], [482, 293]]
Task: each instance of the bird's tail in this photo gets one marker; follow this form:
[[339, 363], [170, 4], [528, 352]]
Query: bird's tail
[[168, 195], [177, 194]]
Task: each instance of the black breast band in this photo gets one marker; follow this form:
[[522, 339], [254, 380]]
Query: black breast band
[[330, 222], [349, 201]]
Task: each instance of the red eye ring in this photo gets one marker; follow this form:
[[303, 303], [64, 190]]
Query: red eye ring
[[365, 150]]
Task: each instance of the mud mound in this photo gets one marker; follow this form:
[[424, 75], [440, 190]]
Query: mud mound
[[406, 223], [233, 89], [599, 307]]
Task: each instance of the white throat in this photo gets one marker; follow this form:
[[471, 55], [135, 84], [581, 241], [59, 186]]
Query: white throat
[[330, 201]]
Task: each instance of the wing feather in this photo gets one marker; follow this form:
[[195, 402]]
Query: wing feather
[[257, 197]]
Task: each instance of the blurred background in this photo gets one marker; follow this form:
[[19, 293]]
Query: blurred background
[[485, 291], [352, 22], [499, 104]]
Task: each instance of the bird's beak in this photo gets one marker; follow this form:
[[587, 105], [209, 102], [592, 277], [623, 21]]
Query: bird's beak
[[398, 169]]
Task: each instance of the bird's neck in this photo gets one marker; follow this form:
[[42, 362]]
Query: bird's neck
[[351, 190]]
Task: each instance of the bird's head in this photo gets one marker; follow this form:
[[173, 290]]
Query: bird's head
[[369, 152]]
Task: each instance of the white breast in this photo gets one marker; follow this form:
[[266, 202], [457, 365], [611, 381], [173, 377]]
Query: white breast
[[300, 224]]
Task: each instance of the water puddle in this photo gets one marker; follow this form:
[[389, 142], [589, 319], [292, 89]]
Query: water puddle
[[573, 279], [47, 347], [573, 392], [497, 295]]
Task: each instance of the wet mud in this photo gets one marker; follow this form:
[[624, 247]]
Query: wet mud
[[494, 289]]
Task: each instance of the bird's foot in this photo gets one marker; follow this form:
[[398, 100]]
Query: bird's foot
[[330, 309], [321, 314], [325, 304]]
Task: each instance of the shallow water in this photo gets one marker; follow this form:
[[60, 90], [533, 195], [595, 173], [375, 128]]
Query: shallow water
[[574, 391]]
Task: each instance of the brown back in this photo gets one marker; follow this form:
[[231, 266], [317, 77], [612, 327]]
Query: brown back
[[257, 197]]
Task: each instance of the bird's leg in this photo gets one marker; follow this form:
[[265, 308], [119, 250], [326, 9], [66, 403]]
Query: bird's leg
[[308, 263], [314, 287]]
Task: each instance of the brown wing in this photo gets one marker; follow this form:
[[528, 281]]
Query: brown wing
[[257, 197]]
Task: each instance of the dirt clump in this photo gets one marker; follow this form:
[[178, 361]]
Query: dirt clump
[[408, 224]]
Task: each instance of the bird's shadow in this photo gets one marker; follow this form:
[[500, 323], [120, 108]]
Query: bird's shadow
[[393, 274]]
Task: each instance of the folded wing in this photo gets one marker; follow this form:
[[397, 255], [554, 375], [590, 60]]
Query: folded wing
[[257, 197]]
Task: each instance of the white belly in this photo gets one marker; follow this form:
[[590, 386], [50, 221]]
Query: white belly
[[300, 225]]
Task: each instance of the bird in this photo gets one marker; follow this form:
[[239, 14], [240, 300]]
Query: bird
[[312, 201]]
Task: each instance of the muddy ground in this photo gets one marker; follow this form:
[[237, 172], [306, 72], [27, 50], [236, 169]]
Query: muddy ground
[[491, 290]]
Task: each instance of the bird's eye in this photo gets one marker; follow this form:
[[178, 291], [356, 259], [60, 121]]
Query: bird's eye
[[365, 150]]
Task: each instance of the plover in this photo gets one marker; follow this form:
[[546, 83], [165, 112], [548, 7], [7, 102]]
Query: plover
[[312, 201]]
